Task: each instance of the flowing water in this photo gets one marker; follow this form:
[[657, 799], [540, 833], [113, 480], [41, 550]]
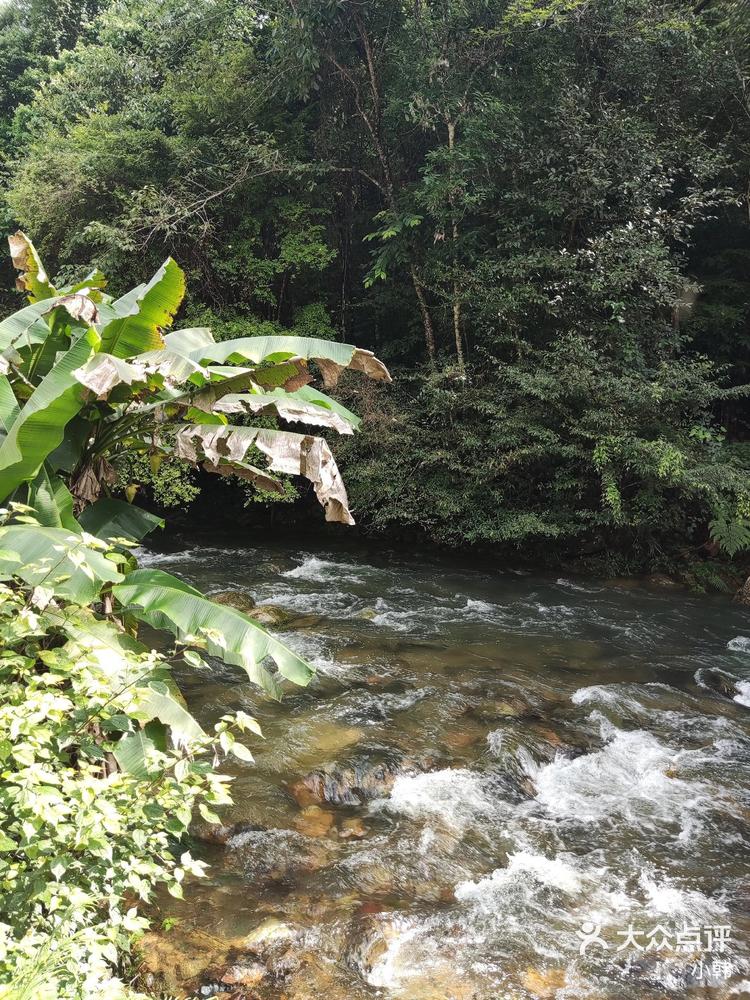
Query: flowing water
[[500, 767]]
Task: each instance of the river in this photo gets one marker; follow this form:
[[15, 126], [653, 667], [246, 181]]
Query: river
[[492, 773]]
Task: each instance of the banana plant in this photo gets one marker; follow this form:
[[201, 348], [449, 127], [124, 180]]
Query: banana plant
[[85, 377]]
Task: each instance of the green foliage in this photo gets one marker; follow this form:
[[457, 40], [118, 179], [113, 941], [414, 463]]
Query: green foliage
[[731, 536], [170, 484], [135, 390], [101, 761], [83, 844], [168, 603], [554, 449], [542, 199]]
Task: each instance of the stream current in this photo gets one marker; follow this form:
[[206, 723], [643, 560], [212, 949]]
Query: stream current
[[498, 786]]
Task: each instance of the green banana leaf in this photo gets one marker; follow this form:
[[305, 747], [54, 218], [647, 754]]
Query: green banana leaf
[[133, 752], [330, 356], [143, 313], [39, 427], [156, 701], [52, 501], [33, 278], [110, 518], [94, 280], [312, 395], [9, 408], [163, 601], [189, 339], [24, 327], [68, 453], [82, 626]]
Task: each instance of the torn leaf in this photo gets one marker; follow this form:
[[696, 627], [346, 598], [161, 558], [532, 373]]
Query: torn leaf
[[295, 454]]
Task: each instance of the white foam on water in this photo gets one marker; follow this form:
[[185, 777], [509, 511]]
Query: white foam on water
[[495, 740], [627, 778], [523, 867], [399, 621], [421, 957], [435, 616], [318, 570], [557, 612], [482, 607], [147, 557], [454, 795], [391, 702], [642, 703], [329, 602], [741, 687], [664, 898], [740, 644], [246, 837], [314, 649], [393, 965], [535, 903], [607, 694], [427, 840], [570, 585]]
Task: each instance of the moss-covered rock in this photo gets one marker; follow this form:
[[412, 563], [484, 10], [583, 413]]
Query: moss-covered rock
[[240, 600]]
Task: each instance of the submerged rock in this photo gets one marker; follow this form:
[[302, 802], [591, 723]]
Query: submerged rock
[[550, 736], [265, 614], [245, 974], [212, 833], [510, 707], [352, 828], [221, 833], [189, 963], [377, 958], [317, 979], [269, 614], [240, 600], [180, 962], [277, 856], [304, 621], [325, 738], [346, 786], [314, 821], [460, 739], [544, 983], [268, 935], [720, 682]]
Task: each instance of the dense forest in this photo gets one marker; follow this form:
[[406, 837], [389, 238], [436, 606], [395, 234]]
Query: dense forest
[[534, 211], [494, 257]]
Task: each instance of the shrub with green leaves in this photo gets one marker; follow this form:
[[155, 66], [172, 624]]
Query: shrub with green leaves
[[101, 769]]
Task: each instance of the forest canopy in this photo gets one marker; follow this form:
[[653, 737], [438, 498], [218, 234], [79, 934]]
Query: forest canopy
[[535, 212]]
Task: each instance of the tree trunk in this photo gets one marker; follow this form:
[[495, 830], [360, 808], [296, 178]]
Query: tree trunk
[[454, 225], [429, 333], [457, 325]]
